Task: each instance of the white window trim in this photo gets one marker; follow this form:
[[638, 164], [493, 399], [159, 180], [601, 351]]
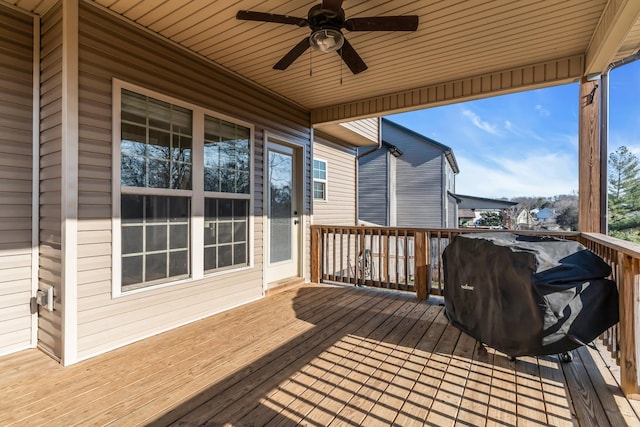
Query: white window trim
[[197, 193], [325, 181]]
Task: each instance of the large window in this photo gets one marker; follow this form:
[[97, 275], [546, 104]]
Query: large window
[[165, 198], [319, 179]]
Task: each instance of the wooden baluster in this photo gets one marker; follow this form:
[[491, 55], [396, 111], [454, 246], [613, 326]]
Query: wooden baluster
[[439, 255], [397, 255], [421, 275], [405, 284], [341, 255], [333, 254], [379, 269], [386, 258]]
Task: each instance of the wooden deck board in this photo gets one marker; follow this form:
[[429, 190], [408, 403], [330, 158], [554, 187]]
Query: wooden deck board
[[475, 398], [316, 356]]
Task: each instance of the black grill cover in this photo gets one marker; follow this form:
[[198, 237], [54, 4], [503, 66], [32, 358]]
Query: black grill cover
[[526, 295]]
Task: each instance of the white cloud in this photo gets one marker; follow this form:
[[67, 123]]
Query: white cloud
[[479, 123], [536, 175], [542, 111]]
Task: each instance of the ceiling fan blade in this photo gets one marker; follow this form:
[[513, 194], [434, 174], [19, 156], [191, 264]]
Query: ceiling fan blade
[[351, 58], [248, 15], [293, 54], [383, 23], [334, 5]]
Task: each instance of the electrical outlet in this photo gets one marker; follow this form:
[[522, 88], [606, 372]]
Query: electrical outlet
[[45, 297]]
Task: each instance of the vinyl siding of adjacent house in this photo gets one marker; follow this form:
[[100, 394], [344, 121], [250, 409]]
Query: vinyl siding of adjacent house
[[373, 187], [111, 48], [340, 206], [16, 115], [452, 205], [418, 179], [50, 271], [452, 212]]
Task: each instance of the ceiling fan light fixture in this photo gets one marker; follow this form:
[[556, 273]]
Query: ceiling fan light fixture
[[326, 40]]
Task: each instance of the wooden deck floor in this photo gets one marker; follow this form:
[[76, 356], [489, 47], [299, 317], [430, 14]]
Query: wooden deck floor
[[314, 356]]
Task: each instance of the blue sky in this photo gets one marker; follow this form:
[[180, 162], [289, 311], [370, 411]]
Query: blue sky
[[526, 144]]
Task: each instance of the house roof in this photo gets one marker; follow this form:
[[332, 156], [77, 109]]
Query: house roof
[[462, 50], [473, 202], [448, 151]]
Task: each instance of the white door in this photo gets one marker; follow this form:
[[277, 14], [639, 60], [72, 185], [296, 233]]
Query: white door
[[282, 213]]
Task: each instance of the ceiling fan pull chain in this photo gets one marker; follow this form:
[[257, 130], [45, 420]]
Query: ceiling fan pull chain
[[341, 67], [310, 64]]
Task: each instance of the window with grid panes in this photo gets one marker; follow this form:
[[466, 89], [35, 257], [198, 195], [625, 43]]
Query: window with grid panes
[[156, 191], [227, 158], [319, 179]]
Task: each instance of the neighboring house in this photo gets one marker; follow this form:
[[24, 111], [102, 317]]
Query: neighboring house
[[524, 220], [546, 216], [473, 207], [409, 182], [334, 171]]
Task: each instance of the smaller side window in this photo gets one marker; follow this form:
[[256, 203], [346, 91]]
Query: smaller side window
[[319, 179]]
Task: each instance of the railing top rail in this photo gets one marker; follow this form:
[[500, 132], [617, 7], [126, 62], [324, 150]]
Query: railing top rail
[[628, 248], [356, 228]]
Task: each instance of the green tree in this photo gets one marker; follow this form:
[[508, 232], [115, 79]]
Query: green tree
[[624, 189], [490, 219], [624, 180], [568, 218]]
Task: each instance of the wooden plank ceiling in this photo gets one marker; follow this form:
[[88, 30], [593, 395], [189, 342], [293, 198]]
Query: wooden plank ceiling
[[457, 42]]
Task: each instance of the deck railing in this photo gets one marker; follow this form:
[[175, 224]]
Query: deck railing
[[409, 259]]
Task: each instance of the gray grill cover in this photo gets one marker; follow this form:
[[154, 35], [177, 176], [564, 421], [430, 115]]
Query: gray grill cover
[[526, 295]]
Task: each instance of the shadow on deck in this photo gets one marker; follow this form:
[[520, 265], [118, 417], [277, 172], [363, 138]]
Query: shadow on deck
[[316, 356]]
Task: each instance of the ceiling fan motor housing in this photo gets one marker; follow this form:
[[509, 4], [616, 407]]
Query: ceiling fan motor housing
[[320, 19]]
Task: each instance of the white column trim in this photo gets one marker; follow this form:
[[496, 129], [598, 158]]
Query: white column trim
[[197, 203], [35, 177], [70, 134]]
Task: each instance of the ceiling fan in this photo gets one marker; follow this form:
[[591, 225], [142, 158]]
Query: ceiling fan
[[325, 21]]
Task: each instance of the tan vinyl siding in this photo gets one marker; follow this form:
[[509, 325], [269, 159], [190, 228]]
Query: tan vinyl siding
[[368, 128], [50, 323], [340, 206], [110, 48], [16, 115]]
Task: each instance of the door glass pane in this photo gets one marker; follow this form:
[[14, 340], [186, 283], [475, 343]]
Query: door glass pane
[[280, 202]]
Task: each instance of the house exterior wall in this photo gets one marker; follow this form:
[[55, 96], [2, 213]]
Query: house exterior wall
[[16, 115], [50, 269], [368, 128], [111, 48], [419, 179], [449, 187], [452, 212], [340, 206], [373, 187]]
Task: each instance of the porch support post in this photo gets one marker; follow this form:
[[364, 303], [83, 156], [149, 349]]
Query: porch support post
[[316, 251], [589, 184], [422, 266]]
